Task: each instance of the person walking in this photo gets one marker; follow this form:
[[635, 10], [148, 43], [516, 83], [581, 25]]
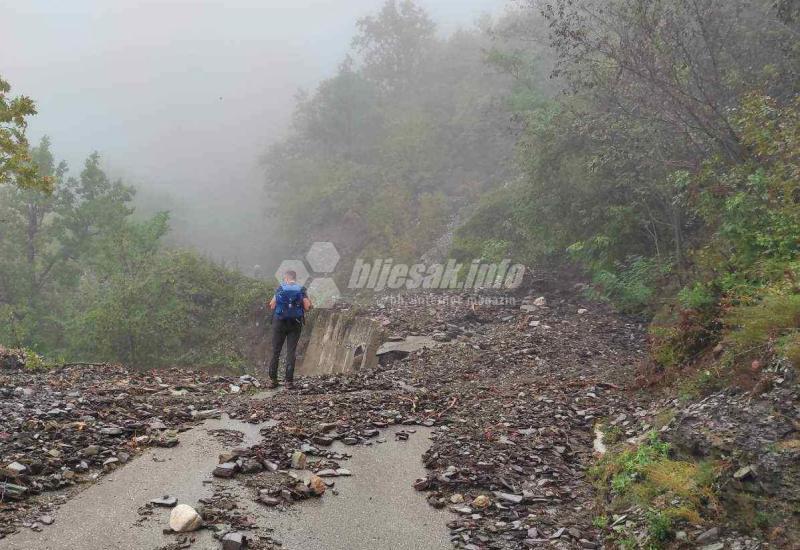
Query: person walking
[[289, 306]]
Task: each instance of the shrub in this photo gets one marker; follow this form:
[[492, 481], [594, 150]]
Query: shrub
[[631, 285], [754, 325], [671, 490]]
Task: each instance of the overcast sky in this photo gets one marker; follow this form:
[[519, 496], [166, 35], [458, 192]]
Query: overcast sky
[[179, 94]]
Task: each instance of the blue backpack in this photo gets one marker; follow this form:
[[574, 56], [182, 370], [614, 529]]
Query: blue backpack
[[289, 301]]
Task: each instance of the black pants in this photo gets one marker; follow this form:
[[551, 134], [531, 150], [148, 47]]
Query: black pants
[[287, 330]]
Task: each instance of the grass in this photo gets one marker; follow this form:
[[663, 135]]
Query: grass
[[612, 434], [672, 491], [774, 316]]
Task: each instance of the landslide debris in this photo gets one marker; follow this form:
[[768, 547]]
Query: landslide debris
[[62, 427], [513, 393]]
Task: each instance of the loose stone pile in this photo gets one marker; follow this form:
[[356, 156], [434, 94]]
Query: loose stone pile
[[513, 393]]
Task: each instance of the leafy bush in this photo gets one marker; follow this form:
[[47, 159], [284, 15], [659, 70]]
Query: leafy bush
[[752, 326], [698, 296], [630, 286]]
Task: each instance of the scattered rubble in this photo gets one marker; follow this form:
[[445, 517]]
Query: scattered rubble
[[515, 393], [514, 408], [63, 426]]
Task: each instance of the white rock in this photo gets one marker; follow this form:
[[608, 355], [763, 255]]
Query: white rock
[[17, 468], [540, 301], [299, 460], [184, 518]]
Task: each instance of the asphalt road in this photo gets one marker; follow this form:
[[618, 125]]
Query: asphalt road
[[377, 508]]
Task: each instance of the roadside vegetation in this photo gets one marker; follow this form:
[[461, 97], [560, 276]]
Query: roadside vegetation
[[83, 278]]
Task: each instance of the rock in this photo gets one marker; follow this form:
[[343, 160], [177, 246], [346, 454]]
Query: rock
[[481, 502], [344, 472], [317, 485], [16, 468], [299, 460], [508, 497], [251, 466], [268, 500], [234, 541], [708, 536], [582, 311], [540, 301], [322, 440], [422, 484], [227, 470], [46, 520], [184, 519], [716, 546], [205, 415], [327, 473], [744, 473], [166, 501], [457, 498]]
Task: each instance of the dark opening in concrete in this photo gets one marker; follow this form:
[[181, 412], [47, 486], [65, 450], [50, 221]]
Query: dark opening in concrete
[[359, 357]]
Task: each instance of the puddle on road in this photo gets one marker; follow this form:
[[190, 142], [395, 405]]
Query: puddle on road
[[103, 516]]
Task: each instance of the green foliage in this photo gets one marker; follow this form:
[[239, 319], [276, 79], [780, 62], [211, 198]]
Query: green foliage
[[490, 232], [631, 286], [385, 152], [33, 361], [601, 522], [697, 296], [82, 278], [672, 164], [659, 526], [671, 491], [621, 469], [754, 325], [15, 161], [176, 308]]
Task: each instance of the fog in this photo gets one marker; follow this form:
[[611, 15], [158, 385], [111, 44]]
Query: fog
[[181, 98]]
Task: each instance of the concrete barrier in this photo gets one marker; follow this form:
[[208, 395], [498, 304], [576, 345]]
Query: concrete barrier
[[339, 342]]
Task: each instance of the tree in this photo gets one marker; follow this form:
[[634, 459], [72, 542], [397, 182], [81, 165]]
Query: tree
[[15, 162], [681, 64], [394, 44]]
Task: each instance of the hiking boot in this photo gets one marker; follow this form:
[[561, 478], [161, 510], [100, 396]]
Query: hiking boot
[[273, 384]]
